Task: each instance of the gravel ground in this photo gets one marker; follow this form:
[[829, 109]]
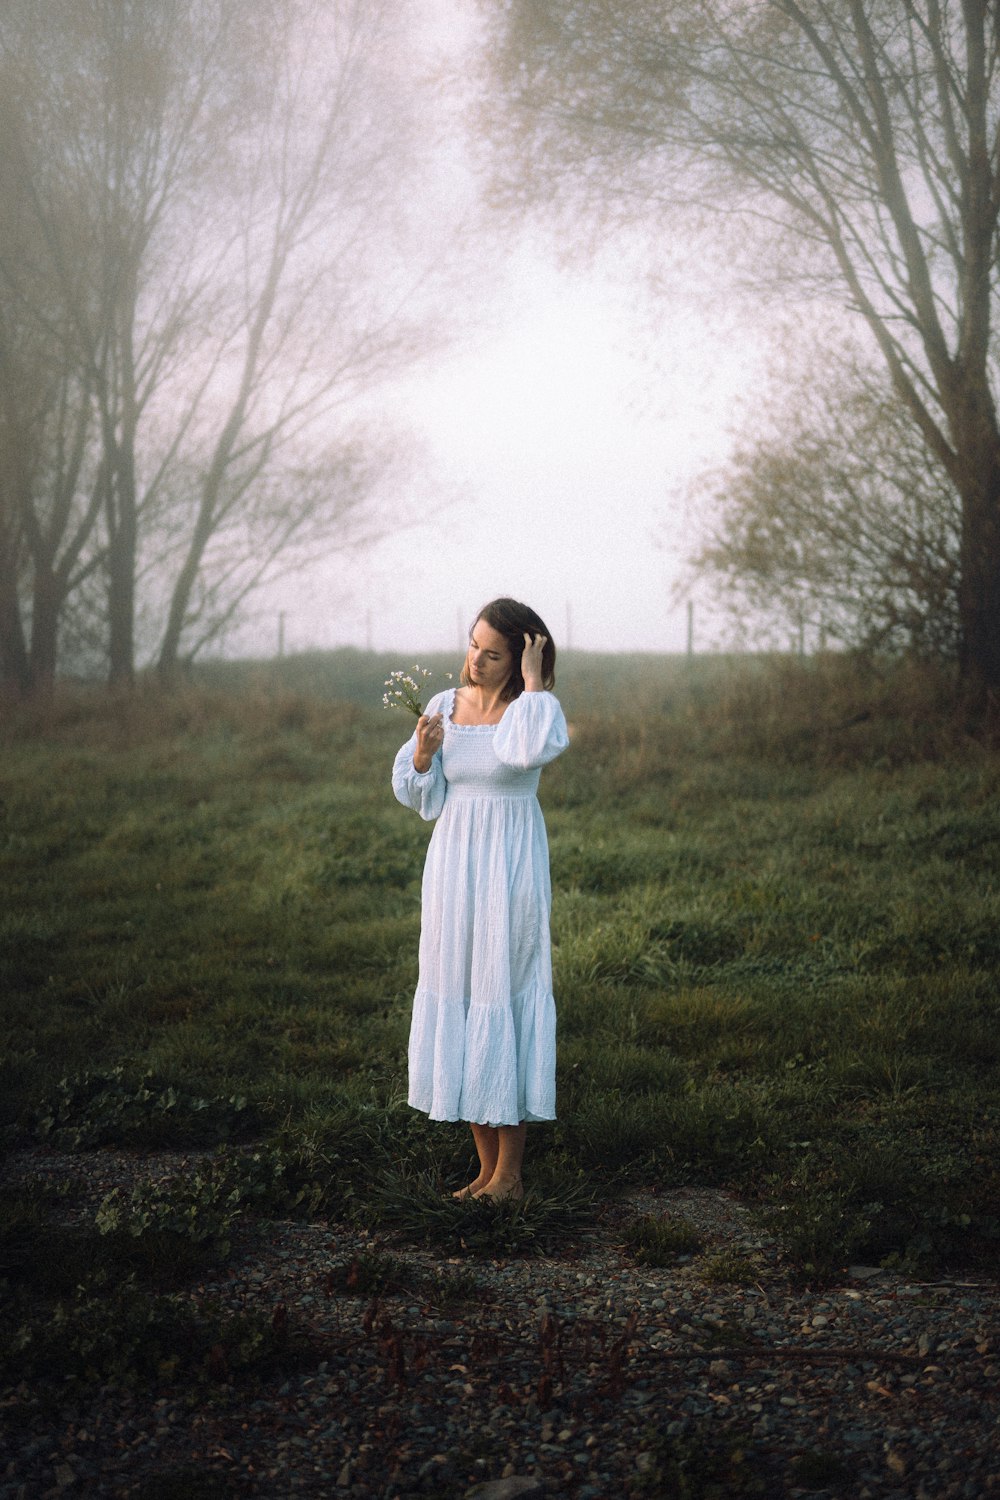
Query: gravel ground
[[584, 1376]]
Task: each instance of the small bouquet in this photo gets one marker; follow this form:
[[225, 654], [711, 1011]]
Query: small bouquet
[[404, 691]]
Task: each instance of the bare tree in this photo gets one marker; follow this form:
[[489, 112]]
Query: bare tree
[[323, 305], [51, 489], [216, 196], [308, 506], [105, 103], [863, 133]]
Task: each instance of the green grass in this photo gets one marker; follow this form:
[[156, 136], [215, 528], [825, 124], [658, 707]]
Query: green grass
[[776, 938]]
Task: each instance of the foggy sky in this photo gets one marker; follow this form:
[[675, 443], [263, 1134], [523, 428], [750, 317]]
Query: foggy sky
[[559, 432]]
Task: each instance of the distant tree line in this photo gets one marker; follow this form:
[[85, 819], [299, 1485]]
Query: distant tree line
[[855, 146], [203, 262]]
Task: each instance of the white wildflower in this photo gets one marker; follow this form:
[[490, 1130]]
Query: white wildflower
[[405, 691]]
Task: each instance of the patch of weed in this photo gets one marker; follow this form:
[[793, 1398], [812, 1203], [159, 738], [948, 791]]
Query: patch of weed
[[370, 1273], [174, 1225], [659, 1240], [416, 1210], [454, 1288], [377, 1272], [116, 1108], [169, 1229], [730, 1268]]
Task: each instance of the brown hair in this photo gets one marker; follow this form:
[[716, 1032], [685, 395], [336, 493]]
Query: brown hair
[[511, 620]]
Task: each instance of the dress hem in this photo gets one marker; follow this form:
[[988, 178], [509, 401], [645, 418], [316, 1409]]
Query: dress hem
[[526, 1119]]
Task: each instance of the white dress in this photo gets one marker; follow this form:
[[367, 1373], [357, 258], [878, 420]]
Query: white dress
[[483, 1034]]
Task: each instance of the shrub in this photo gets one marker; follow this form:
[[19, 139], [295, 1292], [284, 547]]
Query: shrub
[[115, 1108]]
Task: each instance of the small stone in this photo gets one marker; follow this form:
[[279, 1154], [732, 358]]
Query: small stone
[[820, 1321]]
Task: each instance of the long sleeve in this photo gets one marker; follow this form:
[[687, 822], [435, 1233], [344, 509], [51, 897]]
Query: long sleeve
[[424, 791], [532, 732]]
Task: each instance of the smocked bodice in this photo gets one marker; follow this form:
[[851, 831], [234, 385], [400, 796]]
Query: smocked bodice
[[472, 767]]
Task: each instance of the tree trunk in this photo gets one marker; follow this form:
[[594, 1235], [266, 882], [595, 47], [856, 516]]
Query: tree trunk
[[976, 474], [15, 669], [180, 598], [122, 542], [979, 585], [47, 601], [168, 661], [122, 512], [121, 608]]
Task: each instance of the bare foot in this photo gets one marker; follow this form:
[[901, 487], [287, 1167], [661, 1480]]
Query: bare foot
[[509, 1189], [473, 1189]]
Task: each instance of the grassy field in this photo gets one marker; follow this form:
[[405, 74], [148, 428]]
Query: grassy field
[[776, 945]]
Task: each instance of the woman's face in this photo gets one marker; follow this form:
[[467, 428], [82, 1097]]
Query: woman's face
[[489, 661]]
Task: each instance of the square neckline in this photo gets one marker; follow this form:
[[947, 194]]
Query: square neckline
[[451, 722]]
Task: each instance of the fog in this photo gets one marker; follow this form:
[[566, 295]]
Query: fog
[[310, 385], [557, 430]]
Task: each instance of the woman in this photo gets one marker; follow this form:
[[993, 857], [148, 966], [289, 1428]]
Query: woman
[[482, 1038]]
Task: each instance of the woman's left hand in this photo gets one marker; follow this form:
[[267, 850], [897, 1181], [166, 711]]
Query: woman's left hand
[[531, 662]]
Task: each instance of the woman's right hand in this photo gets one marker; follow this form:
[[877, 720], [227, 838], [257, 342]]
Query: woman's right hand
[[430, 733]]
